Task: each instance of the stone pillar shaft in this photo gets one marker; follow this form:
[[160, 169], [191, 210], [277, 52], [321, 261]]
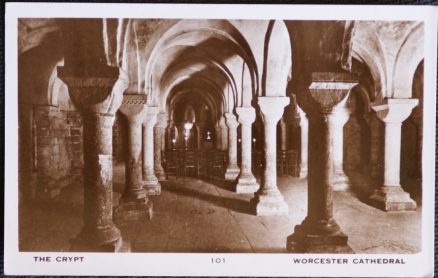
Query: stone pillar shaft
[[232, 170], [304, 125], [391, 197], [338, 119], [268, 200], [319, 232], [320, 202], [283, 134], [150, 180], [134, 204], [392, 154], [218, 137], [133, 167], [270, 171], [98, 170], [246, 182], [159, 131], [98, 99]]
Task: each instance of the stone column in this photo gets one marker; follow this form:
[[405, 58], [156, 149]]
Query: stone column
[[319, 232], [98, 98], [304, 125], [170, 130], [376, 148], [283, 135], [339, 118], [151, 183], [246, 182], [391, 197], [159, 131], [134, 203], [223, 134], [232, 170], [218, 137], [268, 200], [200, 126]]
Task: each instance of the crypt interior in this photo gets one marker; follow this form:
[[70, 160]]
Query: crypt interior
[[264, 136]]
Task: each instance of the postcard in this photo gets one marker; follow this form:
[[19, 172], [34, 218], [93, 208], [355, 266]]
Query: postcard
[[220, 140]]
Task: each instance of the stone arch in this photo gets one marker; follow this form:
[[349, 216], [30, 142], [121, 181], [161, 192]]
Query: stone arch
[[412, 139], [191, 33], [373, 59], [409, 56], [277, 58]]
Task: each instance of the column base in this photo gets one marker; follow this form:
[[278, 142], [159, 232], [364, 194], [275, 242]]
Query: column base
[[106, 239], [151, 185], [392, 198], [269, 204], [160, 174], [232, 173], [341, 182], [247, 184], [303, 173], [133, 210], [304, 242]]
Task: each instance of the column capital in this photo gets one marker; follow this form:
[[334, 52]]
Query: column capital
[[394, 110], [340, 116], [162, 120], [231, 121], [246, 115], [151, 115], [99, 94], [272, 108], [133, 106], [326, 92], [221, 123]]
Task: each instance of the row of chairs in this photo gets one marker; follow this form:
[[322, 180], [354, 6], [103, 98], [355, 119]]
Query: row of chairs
[[195, 163], [212, 163]]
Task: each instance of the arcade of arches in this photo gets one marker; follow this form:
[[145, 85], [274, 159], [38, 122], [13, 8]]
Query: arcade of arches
[[136, 124]]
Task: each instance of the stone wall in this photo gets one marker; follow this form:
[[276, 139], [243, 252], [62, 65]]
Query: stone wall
[[59, 154]]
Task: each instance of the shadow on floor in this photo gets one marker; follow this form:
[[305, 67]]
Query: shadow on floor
[[362, 187], [228, 203], [216, 181]]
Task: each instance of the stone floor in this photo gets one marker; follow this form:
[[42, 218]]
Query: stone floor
[[192, 215]]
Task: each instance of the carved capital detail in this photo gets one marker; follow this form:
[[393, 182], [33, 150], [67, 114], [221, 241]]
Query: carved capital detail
[[246, 115], [151, 116], [326, 92], [272, 108], [394, 110], [231, 120], [101, 94], [134, 107]]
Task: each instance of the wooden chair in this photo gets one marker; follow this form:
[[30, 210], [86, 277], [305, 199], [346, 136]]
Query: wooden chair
[[202, 165], [190, 164], [281, 162], [172, 163], [292, 163], [216, 164]]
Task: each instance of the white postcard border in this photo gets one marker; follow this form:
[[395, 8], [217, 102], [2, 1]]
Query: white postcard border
[[179, 264]]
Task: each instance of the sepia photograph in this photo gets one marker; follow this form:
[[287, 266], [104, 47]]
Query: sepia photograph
[[222, 136]]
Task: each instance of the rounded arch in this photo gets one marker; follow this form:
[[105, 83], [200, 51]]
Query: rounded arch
[[277, 65], [194, 93], [193, 33], [407, 60], [193, 83], [373, 59]]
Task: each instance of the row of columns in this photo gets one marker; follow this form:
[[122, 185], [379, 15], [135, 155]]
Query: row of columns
[[98, 102]]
